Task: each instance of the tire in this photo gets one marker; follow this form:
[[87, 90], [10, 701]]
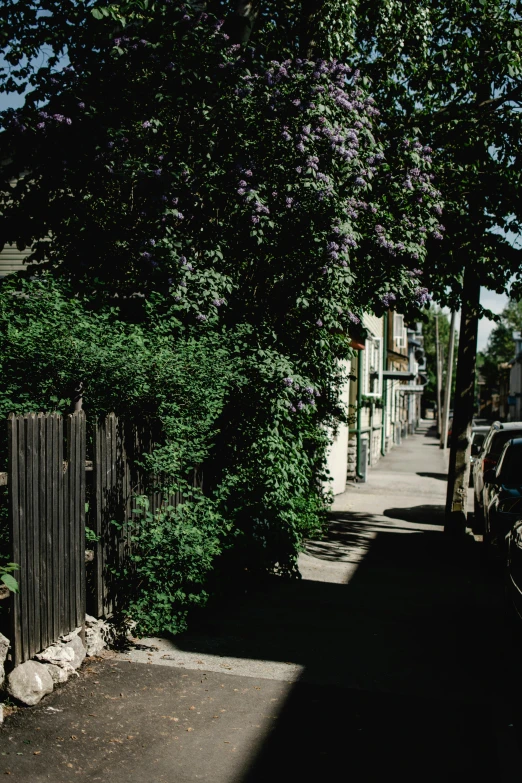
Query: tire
[[478, 519]]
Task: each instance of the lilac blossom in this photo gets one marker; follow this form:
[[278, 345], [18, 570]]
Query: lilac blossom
[[422, 296], [388, 299]]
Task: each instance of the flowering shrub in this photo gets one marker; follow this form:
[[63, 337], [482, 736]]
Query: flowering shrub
[[170, 174]]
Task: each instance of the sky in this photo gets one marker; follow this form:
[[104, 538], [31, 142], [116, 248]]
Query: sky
[[495, 303]]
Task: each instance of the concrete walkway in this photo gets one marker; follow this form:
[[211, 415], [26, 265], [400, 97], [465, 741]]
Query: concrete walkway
[[391, 658]]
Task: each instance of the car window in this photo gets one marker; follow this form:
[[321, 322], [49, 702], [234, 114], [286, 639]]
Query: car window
[[478, 439], [500, 439], [510, 467]]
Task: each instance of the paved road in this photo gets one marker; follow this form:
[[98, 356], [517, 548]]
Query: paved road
[[391, 658]]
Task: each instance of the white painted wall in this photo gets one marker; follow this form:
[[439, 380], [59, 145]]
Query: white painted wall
[[337, 461]]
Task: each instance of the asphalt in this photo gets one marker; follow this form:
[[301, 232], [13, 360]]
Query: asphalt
[[393, 657]]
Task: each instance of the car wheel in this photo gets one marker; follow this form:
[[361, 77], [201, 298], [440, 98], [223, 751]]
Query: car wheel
[[478, 518]]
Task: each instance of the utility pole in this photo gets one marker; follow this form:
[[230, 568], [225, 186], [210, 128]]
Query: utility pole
[[439, 379], [459, 465], [449, 378]]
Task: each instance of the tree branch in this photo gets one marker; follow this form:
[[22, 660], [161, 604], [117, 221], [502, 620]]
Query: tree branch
[[240, 23]]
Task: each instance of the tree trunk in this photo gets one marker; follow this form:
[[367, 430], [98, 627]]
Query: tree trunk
[[439, 373], [459, 464], [240, 23], [449, 382]]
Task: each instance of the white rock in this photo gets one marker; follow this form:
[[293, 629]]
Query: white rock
[[70, 636], [59, 673], [78, 649], [58, 654], [94, 640], [29, 682], [4, 648]]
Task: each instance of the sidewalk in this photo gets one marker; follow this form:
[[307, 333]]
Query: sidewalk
[[382, 662]]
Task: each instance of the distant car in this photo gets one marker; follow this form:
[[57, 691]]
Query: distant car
[[490, 452], [504, 496]]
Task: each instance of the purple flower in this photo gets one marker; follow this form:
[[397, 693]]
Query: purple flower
[[146, 124], [289, 201], [254, 219], [242, 183], [318, 322], [248, 173], [422, 296], [146, 255], [354, 318], [388, 299], [81, 105], [218, 302], [288, 382], [241, 191], [300, 405], [201, 317], [41, 125], [360, 181]]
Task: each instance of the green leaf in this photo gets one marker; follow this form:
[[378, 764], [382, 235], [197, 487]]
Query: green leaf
[[10, 582]]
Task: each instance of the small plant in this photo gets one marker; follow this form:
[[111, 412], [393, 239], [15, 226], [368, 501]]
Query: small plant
[[90, 536], [7, 578]]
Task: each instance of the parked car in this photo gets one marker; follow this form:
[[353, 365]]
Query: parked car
[[478, 436], [504, 494], [514, 563], [487, 459]]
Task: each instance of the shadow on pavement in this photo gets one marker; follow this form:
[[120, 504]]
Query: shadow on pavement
[[422, 515], [439, 476], [393, 685]]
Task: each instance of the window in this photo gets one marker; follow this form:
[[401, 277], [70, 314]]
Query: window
[[399, 332], [372, 369]]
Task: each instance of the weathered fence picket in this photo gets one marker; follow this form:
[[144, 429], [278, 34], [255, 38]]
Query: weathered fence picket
[[47, 512], [119, 479], [47, 528]]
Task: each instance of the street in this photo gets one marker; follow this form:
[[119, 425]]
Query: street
[[393, 657]]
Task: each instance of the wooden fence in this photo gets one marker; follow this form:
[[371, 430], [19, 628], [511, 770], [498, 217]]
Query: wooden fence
[[47, 528], [118, 479], [48, 489]]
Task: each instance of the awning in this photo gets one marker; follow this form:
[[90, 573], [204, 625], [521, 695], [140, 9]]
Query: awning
[[411, 388], [398, 375]]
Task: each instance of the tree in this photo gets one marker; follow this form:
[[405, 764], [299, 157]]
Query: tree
[[453, 69], [165, 166], [500, 347], [428, 331]]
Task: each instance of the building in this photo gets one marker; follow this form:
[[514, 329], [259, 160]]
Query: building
[[383, 395]]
